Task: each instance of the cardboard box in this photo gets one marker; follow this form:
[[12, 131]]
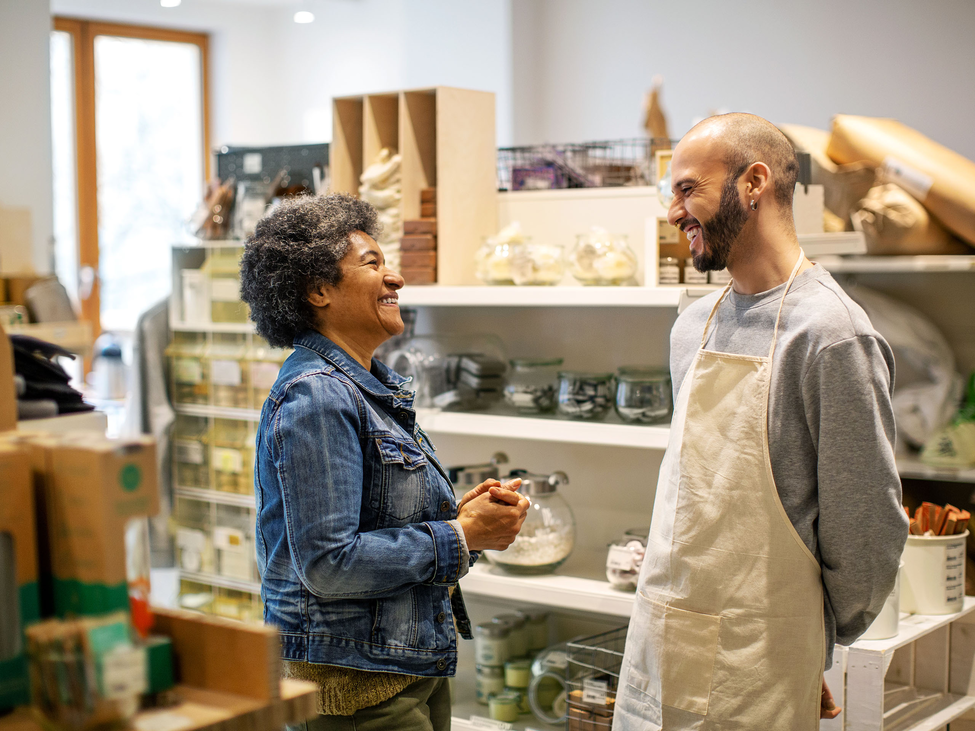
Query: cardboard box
[[940, 178], [19, 596], [95, 487]]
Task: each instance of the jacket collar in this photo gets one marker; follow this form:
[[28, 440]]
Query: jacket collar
[[381, 381]]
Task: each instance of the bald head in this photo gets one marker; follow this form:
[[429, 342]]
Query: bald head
[[743, 139]]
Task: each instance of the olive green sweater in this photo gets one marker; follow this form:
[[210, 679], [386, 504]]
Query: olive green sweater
[[343, 691]]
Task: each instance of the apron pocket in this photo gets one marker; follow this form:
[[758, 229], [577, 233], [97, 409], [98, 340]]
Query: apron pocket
[[673, 660]]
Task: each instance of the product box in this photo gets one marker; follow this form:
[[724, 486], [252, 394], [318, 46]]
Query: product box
[[94, 487], [19, 597]]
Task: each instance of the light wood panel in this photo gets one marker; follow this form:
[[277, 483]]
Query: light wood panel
[[418, 146], [345, 152], [380, 126]]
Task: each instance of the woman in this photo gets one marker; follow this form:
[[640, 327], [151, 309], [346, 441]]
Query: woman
[[359, 538]]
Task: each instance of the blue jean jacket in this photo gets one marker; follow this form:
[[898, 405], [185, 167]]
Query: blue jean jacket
[[357, 542]]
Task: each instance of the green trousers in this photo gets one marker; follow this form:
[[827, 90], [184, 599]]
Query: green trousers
[[423, 706]]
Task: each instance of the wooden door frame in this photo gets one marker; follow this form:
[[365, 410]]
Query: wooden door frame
[[83, 34]]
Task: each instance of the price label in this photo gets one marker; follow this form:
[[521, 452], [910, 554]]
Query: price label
[[189, 452], [228, 460], [229, 539], [557, 659], [595, 691], [263, 374], [123, 672], [621, 558], [225, 372], [955, 574], [164, 721], [489, 723]]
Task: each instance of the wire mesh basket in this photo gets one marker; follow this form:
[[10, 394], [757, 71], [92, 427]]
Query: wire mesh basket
[[592, 676], [600, 164]]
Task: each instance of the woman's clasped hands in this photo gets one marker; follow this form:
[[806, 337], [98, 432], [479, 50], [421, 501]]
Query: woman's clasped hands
[[492, 514]]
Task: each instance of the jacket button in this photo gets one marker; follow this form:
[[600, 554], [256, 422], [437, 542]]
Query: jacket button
[[441, 617], [441, 664], [444, 506]]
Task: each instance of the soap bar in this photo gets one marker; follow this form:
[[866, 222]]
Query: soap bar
[[428, 210], [418, 259], [420, 226], [428, 195], [419, 242]]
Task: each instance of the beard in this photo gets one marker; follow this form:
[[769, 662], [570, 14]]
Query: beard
[[722, 230]]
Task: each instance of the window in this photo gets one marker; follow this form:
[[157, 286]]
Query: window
[[139, 129]]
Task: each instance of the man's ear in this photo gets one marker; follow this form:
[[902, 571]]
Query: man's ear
[[757, 179], [319, 296]]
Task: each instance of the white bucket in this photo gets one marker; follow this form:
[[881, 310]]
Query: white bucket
[[886, 624], [934, 574]]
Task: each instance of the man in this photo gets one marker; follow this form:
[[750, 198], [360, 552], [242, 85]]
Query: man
[[777, 523]]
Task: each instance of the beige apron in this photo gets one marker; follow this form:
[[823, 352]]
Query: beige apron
[[727, 626]]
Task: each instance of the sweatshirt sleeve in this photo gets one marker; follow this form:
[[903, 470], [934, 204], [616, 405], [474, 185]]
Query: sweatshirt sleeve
[[862, 525]]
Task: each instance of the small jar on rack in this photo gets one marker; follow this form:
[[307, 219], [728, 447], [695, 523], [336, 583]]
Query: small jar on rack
[[643, 395], [625, 558], [602, 258], [584, 395], [532, 385], [536, 264]]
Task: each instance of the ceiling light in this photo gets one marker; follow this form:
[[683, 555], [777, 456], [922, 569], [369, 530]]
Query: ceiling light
[[170, 3], [304, 16]]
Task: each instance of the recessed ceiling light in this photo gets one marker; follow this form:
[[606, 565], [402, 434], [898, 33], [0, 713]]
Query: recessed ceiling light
[[304, 16], [170, 3]]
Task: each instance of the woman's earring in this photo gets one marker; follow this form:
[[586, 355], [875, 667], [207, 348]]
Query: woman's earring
[[754, 206]]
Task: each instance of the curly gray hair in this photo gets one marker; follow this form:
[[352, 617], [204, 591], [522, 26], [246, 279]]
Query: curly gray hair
[[295, 249]]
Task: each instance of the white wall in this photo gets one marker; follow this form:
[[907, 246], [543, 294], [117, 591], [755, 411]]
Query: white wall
[[25, 120], [581, 66]]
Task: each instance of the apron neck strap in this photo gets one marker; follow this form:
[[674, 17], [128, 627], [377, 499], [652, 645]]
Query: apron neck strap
[[724, 293]]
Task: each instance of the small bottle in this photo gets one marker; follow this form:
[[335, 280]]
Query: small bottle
[[669, 272]]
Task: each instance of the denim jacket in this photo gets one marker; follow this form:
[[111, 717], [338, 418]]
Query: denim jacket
[[357, 542]]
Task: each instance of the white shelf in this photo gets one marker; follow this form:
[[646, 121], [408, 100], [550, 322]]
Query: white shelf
[[485, 296], [898, 264], [558, 592], [242, 328], [215, 496], [545, 430], [825, 244], [221, 581], [911, 627], [912, 467], [219, 412]]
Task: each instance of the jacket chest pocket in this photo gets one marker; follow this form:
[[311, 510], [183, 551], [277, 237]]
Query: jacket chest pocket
[[404, 492]]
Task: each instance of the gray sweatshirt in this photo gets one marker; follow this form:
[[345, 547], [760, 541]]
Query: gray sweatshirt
[[831, 432]]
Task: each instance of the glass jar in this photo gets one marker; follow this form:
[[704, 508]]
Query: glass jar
[[493, 262], [226, 363], [537, 264], [232, 456], [536, 629], [584, 395], [600, 257], [532, 385], [518, 674], [188, 368], [548, 533], [692, 275], [488, 681], [517, 634], [625, 558], [191, 440], [644, 396], [491, 646], [504, 707], [669, 271]]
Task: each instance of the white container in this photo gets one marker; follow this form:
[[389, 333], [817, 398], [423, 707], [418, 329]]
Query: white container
[[934, 574], [196, 305], [886, 624]]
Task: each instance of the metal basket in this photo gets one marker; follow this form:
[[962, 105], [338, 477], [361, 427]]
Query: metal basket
[[592, 676], [600, 164]]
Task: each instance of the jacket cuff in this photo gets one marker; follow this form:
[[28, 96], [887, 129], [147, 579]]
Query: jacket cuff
[[451, 557]]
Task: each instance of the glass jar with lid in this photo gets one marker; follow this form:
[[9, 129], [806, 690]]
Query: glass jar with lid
[[491, 646], [492, 262], [488, 682], [517, 633], [547, 536], [625, 558], [644, 395], [600, 257], [537, 264], [532, 385], [584, 395]]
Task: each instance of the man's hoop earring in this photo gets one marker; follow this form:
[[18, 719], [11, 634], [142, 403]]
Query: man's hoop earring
[[754, 206]]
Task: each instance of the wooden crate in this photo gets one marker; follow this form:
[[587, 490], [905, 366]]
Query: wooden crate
[[446, 137], [922, 679]]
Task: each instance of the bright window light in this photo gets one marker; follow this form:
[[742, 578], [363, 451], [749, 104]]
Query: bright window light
[[303, 16]]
